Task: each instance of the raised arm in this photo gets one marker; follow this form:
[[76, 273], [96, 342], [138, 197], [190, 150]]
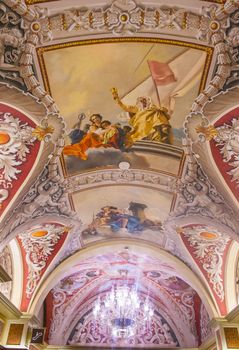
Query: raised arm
[[126, 108]]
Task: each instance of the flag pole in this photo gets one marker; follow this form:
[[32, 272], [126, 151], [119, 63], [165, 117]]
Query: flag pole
[[168, 62], [144, 58], [155, 85]]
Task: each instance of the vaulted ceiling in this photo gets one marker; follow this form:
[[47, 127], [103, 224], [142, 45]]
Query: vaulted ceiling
[[119, 156]]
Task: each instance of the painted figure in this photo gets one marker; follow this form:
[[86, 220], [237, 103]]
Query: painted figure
[[148, 121], [111, 134], [100, 134], [128, 220], [77, 134]]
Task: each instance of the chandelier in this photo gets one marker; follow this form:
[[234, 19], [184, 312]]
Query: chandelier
[[123, 312]]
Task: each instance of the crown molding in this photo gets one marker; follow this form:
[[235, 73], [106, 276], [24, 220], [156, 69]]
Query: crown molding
[[4, 276], [233, 316], [8, 310]]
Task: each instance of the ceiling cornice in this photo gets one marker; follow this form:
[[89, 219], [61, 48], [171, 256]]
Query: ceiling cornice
[[8, 310]]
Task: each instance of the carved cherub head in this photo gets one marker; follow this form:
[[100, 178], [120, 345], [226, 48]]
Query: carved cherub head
[[11, 36]]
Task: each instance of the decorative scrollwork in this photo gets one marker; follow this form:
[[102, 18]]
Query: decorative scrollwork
[[11, 46], [209, 252], [38, 244], [196, 195]]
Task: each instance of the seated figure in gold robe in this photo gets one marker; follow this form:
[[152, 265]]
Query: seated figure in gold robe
[[149, 122]]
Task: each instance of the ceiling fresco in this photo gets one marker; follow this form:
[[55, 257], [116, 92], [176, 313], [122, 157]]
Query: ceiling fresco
[[151, 69], [134, 214], [119, 177]]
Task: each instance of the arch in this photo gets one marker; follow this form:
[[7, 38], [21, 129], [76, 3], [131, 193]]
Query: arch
[[230, 276], [193, 219], [17, 273], [63, 323], [180, 329], [67, 267], [47, 218]]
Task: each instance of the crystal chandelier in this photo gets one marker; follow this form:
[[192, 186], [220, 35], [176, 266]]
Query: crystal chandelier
[[123, 312]]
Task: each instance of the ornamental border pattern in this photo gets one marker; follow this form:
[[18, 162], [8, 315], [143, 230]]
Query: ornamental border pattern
[[33, 2]]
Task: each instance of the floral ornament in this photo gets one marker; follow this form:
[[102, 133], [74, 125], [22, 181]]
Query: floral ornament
[[80, 20], [120, 17], [226, 138], [215, 26], [168, 19], [16, 138], [41, 133], [206, 132], [66, 295], [38, 245], [35, 31], [178, 290], [209, 246], [124, 17]]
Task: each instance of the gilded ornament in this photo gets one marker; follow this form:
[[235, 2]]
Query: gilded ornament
[[179, 230], [124, 17], [214, 26], [208, 131], [35, 26], [40, 132]]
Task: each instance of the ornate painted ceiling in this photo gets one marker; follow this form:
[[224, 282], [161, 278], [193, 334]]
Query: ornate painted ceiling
[[119, 156]]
